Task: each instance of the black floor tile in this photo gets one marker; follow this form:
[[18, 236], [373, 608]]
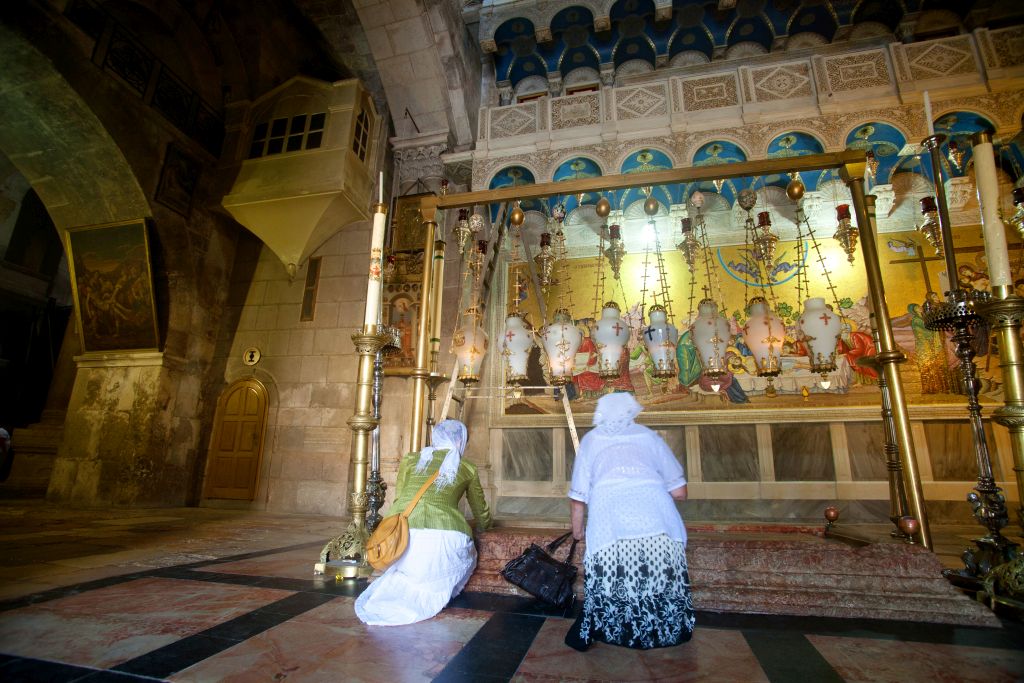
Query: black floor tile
[[786, 656], [495, 651], [179, 655], [26, 670]]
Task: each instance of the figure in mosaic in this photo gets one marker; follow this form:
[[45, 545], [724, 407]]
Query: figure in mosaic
[[626, 480]]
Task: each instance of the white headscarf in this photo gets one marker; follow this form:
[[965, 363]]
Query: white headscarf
[[451, 435], [615, 413]]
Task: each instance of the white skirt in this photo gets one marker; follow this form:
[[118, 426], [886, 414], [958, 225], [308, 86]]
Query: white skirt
[[434, 569]]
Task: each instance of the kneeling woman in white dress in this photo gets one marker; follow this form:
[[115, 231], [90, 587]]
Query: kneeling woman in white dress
[[441, 556]]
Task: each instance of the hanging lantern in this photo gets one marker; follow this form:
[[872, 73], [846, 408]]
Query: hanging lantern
[[651, 205], [763, 335], [1017, 219], [846, 232], [690, 245], [558, 212], [747, 199], [929, 227], [710, 333], [603, 207], [616, 249], [610, 333], [478, 258], [955, 155], [872, 163], [765, 240], [660, 338], [697, 199], [470, 346], [796, 188], [462, 231], [545, 261], [390, 268], [561, 339], [516, 345], [517, 216], [820, 328]]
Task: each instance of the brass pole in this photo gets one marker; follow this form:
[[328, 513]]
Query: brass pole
[[421, 372], [1005, 313], [890, 355], [437, 296]]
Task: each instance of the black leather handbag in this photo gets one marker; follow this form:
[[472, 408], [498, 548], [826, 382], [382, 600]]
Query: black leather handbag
[[538, 573]]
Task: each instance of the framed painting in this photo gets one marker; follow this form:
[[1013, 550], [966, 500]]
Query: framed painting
[[113, 286], [407, 224], [400, 307], [178, 180]]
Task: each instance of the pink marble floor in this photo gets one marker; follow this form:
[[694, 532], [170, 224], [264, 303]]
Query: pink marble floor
[[292, 564], [712, 654], [107, 626], [868, 659], [330, 644]]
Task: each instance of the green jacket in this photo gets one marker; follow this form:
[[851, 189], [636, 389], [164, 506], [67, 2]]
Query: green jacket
[[440, 509]]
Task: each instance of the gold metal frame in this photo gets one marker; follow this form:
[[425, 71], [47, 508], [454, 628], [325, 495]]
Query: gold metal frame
[[851, 165]]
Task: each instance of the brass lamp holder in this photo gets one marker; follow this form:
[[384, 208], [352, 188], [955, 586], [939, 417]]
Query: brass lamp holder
[[962, 313], [344, 556]]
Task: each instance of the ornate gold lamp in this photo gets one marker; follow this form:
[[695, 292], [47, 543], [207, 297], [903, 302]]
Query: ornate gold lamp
[[846, 232]]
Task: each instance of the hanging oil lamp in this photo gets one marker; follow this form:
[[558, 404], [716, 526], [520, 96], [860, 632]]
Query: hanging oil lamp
[[469, 343], [765, 240], [462, 231], [616, 249], [603, 207], [561, 339], [610, 333], [710, 333], [478, 258], [517, 216], [660, 338], [846, 232], [955, 156], [516, 345], [390, 268], [1017, 219], [690, 244], [872, 164], [545, 261], [763, 334], [820, 328], [930, 228]]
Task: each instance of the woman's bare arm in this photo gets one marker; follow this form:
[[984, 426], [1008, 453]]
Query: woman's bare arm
[[577, 512], [679, 493]]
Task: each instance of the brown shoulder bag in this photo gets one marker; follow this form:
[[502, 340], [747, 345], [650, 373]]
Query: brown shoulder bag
[[389, 540]]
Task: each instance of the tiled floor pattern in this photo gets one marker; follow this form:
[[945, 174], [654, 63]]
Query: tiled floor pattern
[[262, 617]]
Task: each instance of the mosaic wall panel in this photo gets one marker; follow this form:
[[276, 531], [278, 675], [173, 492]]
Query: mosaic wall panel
[[641, 102], [710, 92], [952, 450], [865, 442], [507, 122], [779, 82], [842, 73], [575, 111], [934, 59], [526, 455], [802, 452], [728, 452]]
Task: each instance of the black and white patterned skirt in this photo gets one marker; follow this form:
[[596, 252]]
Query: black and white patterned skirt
[[636, 594]]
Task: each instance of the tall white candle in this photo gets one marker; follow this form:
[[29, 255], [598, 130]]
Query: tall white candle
[[373, 284], [992, 225], [380, 189], [928, 113]]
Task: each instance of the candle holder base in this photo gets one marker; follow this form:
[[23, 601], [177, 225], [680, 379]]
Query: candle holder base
[[344, 556]]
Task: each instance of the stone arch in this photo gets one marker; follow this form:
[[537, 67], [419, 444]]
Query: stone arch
[[50, 133], [621, 159], [771, 137]]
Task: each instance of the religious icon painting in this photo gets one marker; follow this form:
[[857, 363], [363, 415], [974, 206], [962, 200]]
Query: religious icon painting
[[178, 180], [400, 310], [113, 286], [407, 224]]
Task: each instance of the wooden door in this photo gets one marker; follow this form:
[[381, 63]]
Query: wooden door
[[233, 464]]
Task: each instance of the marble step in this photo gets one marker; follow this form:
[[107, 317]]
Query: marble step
[[799, 574]]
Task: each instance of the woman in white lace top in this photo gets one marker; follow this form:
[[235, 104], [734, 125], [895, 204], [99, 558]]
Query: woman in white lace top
[[626, 481]]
